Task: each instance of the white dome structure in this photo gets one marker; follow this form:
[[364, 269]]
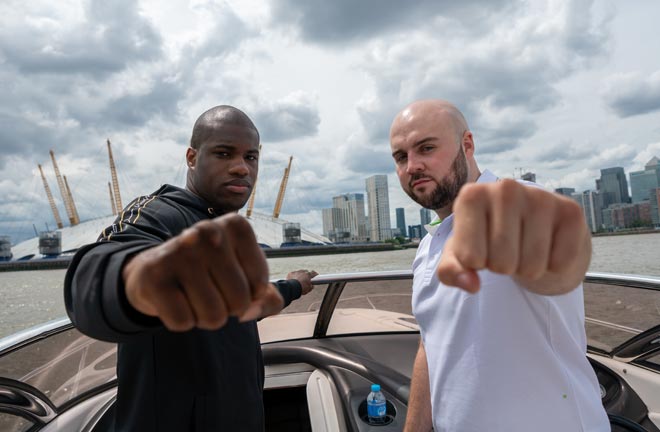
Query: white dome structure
[[269, 232]]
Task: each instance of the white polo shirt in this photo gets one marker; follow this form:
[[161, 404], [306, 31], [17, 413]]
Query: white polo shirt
[[504, 359]]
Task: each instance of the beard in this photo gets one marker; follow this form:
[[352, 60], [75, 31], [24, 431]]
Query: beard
[[447, 189]]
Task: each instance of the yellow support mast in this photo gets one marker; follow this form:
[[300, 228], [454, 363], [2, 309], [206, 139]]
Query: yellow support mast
[[65, 198], [72, 202], [250, 206], [115, 181], [112, 201], [280, 195], [51, 201]]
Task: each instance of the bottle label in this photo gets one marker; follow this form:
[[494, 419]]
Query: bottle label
[[376, 409]]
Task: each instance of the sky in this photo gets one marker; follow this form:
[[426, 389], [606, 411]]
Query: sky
[[560, 88]]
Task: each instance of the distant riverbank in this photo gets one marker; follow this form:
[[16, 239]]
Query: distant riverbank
[[285, 252], [627, 232]]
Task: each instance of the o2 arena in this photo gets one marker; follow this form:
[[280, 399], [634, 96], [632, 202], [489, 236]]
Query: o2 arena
[[270, 230]]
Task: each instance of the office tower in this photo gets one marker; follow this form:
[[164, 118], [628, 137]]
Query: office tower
[[334, 225], [353, 219], [425, 216], [565, 191], [643, 182], [613, 186], [529, 176], [591, 204], [379, 208], [655, 208], [401, 221], [416, 231]]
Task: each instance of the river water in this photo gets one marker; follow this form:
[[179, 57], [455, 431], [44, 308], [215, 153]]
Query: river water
[[28, 298]]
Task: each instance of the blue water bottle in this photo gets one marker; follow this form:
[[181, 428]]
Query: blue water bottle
[[376, 405]]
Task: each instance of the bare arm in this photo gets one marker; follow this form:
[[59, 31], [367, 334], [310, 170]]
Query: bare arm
[[419, 416], [539, 238]]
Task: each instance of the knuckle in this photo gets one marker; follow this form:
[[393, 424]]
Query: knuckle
[[532, 270], [502, 263], [471, 193], [211, 322], [470, 258], [571, 211]]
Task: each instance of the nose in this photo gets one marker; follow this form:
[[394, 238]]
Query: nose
[[414, 165], [239, 167]]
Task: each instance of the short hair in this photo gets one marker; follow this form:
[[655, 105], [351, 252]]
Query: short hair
[[226, 114]]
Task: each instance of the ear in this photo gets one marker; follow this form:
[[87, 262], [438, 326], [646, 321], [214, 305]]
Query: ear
[[468, 143], [191, 157]]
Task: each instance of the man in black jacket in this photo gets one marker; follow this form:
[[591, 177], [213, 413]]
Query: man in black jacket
[[178, 281]]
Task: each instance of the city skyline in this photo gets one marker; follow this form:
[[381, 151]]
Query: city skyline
[[559, 87]]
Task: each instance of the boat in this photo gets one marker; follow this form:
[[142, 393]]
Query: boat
[[322, 353]]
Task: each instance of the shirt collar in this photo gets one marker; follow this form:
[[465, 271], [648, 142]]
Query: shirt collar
[[485, 177]]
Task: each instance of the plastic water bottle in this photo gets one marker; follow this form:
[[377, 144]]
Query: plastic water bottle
[[376, 405]]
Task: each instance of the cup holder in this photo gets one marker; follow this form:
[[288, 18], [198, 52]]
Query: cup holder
[[390, 413]]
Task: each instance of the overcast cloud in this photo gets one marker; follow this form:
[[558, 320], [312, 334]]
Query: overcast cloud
[[559, 87]]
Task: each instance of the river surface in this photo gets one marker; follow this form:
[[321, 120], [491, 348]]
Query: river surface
[[28, 298]]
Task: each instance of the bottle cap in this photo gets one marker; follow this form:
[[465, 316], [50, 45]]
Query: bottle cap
[[375, 387]]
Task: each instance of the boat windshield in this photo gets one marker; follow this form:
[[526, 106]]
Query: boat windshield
[[63, 365], [615, 314]]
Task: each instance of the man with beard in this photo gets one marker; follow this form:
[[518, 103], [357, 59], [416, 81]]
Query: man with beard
[[497, 290], [178, 281]]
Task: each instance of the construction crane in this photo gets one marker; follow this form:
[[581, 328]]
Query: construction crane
[[76, 217], [51, 201], [250, 206], [65, 198], [112, 201], [115, 182], [280, 195]]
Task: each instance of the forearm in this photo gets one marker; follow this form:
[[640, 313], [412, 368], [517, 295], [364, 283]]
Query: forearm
[[290, 290], [419, 416], [93, 292]]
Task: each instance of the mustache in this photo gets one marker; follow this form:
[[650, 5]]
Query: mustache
[[416, 177]]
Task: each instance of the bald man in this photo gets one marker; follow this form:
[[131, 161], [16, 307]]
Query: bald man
[[497, 290], [178, 281]]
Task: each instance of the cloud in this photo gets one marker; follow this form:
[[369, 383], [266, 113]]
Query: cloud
[[103, 39], [341, 21], [295, 116], [633, 94], [512, 69]]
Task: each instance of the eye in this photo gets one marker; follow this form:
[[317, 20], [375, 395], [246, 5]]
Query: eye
[[221, 154], [427, 148], [400, 158], [252, 157]]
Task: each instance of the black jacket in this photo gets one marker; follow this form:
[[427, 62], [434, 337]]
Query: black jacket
[[193, 381]]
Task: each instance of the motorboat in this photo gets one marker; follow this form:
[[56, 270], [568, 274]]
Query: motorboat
[[323, 352]]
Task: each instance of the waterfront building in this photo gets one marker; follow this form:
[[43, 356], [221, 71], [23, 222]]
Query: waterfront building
[[613, 186], [379, 208], [415, 231], [425, 216], [655, 208], [333, 225], [643, 182], [529, 176], [619, 216], [353, 219], [565, 191], [401, 221], [591, 203]]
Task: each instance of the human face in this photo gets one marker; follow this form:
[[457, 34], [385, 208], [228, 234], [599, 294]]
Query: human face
[[430, 161], [224, 168]]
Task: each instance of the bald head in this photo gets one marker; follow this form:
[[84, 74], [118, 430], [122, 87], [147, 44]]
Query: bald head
[[216, 116], [433, 111]]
